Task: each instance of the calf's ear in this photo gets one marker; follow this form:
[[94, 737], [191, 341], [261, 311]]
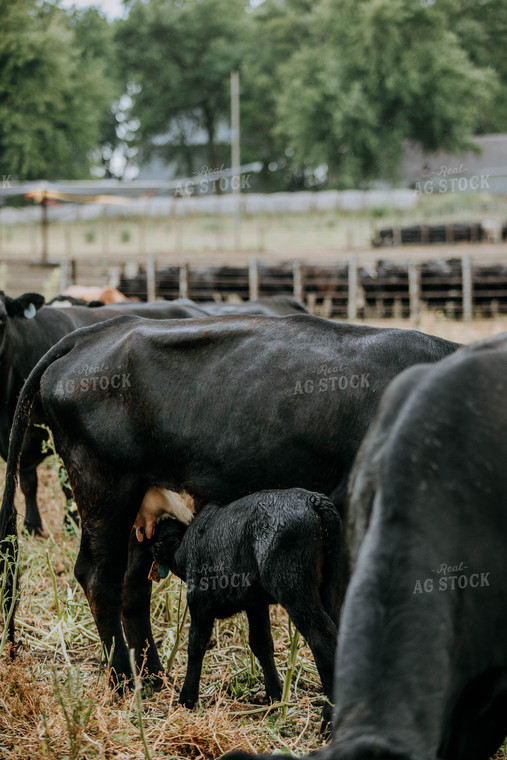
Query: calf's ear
[[25, 306]]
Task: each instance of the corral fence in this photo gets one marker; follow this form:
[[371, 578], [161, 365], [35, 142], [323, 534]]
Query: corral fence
[[456, 287]]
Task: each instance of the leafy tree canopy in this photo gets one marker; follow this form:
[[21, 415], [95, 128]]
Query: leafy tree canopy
[[54, 91], [329, 88]]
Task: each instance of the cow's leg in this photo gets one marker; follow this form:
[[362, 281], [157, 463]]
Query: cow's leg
[[107, 510], [101, 573], [201, 626], [261, 643], [28, 483], [135, 607]]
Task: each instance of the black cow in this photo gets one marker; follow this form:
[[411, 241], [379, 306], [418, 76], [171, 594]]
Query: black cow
[[422, 658], [27, 330], [193, 411], [266, 548]]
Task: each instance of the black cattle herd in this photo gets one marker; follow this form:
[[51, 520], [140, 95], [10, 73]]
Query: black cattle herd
[[355, 475]]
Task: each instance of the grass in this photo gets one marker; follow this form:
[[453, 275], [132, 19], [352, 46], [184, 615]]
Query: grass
[[54, 700]]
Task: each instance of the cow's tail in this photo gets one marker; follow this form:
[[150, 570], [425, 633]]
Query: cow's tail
[[8, 526], [331, 525]]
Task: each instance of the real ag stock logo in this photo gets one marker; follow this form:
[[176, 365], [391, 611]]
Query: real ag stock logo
[[451, 578]]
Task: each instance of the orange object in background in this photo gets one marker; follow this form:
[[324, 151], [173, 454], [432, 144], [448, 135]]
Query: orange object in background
[[106, 294]]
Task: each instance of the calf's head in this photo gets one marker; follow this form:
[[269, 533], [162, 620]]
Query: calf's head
[[168, 537]]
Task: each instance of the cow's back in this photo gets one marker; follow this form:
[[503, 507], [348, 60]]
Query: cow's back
[[225, 406]]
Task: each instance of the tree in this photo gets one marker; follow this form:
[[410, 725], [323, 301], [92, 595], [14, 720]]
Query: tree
[[386, 70], [336, 83], [97, 52], [278, 31], [177, 58], [481, 27], [53, 95]]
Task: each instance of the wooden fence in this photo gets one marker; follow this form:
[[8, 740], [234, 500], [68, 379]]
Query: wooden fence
[[459, 288]]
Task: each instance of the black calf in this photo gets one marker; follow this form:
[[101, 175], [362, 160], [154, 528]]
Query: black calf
[[269, 547]]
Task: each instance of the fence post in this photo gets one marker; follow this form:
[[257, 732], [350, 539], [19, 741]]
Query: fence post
[[183, 280], [414, 291], [142, 234], [114, 276], [151, 279], [105, 231], [253, 279], [297, 280], [64, 274], [352, 283], [466, 279], [68, 238]]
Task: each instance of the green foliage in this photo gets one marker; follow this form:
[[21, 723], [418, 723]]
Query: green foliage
[[54, 92], [387, 70], [481, 27], [334, 82], [278, 31], [177, 58], [330, 86]]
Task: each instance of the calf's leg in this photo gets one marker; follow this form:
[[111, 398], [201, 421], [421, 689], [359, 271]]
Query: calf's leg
[[201, 626], [261, 643]]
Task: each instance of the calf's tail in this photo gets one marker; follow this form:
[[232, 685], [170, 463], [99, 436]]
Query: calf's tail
[[331, 567], [8, 528]]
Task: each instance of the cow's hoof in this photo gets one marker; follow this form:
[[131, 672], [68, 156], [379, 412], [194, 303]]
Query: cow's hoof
[[326, 725], [152, 683], [187, 701], [35, 529]]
